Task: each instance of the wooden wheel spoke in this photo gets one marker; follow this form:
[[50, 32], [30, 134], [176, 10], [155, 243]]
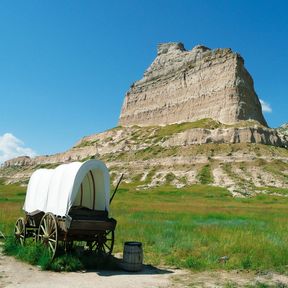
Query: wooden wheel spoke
[[20, 231], [103, 243], [17, 229], [48, 225], [53, 233], [101, 248], [48, 233], [107, 246], [42, 228], [45, 225], [53, 248], [93, 245]]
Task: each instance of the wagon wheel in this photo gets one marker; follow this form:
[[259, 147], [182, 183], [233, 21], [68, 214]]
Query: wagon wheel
[[20, 231], [48, 233], [103, 243]]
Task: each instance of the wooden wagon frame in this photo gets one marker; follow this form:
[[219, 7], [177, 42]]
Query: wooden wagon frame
[[66, 204]]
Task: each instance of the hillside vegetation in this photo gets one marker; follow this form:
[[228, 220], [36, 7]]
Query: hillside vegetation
[[180, 155]]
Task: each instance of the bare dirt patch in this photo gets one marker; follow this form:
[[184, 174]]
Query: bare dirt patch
[[14, 273], [230, 279]]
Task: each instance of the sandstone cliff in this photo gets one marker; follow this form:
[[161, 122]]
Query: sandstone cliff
[[183, 86]]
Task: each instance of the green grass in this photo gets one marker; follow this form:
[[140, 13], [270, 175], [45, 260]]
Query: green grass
[[37, 254], [169, 130], [11, 203], [205, 175], [84, 143], [192, 227], [33, 253], [273, 190], [47, 166]]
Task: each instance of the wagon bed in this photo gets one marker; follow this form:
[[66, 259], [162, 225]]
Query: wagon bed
[[89, 220]]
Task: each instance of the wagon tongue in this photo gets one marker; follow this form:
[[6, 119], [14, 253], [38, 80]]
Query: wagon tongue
[[121, 177]]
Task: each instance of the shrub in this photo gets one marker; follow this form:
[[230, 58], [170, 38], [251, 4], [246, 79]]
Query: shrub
[[169, 177], [205, 175], [66, 262]]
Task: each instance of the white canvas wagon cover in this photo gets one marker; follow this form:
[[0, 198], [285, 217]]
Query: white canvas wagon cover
[[56, 190]]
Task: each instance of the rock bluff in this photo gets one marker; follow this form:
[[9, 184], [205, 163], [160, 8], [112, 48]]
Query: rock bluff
[[183, 86]]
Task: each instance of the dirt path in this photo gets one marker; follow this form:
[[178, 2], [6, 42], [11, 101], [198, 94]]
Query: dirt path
[[14, 273]]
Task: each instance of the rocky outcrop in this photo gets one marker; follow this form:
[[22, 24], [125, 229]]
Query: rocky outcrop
[[256, 135], [183, 86], [283, 129], [283, 133], [18, 161]]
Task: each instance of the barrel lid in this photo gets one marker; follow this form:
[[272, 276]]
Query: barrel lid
[[133, 243]]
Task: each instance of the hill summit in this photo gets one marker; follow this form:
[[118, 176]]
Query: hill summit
[[185, 86]]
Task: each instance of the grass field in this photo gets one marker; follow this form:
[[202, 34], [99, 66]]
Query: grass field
[[11, 203], [190, 227]]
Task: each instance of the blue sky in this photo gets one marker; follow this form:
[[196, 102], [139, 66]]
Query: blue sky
[[65, 65]]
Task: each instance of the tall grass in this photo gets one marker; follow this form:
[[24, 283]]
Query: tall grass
[[11, 203], [33, 253], [37, 254], [192, 227]]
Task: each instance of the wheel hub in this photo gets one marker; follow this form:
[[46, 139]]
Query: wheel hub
[[45, 239]]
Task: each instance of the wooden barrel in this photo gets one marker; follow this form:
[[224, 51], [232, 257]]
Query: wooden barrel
[[132, 256]]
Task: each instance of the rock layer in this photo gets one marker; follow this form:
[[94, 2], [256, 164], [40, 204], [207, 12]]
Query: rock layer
[[124, 140], [175, 155], [184, 86]]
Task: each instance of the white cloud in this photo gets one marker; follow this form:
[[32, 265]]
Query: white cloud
[[11, 147], [265, 106]]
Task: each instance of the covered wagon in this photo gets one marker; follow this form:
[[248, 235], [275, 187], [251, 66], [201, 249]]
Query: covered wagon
[[66, 204]]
